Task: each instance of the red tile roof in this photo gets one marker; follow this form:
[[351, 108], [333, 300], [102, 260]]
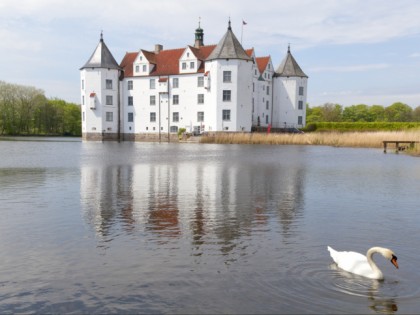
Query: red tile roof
[[262, 63], [166, 62], [127, 63]]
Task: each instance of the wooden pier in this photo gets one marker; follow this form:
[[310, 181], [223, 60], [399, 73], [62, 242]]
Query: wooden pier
[[400, 145]]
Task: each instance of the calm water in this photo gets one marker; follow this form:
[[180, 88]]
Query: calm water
[[189, 228]]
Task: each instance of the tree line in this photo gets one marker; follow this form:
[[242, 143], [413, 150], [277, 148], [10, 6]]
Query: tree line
[[25, 110], [329, 112]]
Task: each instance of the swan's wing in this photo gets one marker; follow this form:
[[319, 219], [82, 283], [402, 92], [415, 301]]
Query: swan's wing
[[350, 261]]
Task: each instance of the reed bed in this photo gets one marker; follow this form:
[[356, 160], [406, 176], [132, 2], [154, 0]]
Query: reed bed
[[336, 139]]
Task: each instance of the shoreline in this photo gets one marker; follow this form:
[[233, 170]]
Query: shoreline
[[335, 139]]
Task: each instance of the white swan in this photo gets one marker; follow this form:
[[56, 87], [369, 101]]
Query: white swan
[[363, 265]]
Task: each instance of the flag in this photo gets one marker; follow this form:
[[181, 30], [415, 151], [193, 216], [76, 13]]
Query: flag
[[244, 23]]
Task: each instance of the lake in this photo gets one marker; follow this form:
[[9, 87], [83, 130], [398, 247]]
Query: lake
[[91, 227]]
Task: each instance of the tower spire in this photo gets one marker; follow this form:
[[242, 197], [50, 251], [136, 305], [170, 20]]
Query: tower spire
[[199, 35]]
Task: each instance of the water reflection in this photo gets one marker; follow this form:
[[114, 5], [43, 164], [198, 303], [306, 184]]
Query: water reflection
[[373, 290], [204, 202]]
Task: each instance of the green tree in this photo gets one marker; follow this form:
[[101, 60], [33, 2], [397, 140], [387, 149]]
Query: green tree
[[416, 114], [398, 112], [377, 112], [331, 112]]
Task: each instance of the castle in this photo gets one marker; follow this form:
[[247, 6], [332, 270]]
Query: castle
[[150, 95]]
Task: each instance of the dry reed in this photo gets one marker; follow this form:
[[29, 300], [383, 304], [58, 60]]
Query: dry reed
[[336, 139]]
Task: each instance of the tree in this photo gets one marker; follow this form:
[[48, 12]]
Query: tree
[[331, 112], [25, 110], [398, 112], [377, 112], [416, 114]]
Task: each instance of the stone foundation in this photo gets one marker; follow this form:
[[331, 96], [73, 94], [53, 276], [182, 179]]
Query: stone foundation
[[138, 137]]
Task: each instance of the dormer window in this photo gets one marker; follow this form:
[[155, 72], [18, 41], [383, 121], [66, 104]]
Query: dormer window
[[184, 65], [137, 68], [188, 54], [192, 65], [141, 58]]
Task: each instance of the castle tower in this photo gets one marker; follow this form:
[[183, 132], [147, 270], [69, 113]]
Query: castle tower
[[199, 37], [100, 95], [290, 93], [230, 70]]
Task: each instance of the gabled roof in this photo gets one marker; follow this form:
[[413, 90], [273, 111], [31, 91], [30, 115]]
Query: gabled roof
[[229, 48], [289, 67], [101, 58], [127, 63], [262, 63], [166, 62]]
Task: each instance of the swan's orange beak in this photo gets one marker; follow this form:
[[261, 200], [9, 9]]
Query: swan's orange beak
[[394, 261]]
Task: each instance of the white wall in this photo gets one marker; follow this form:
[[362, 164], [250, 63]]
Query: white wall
[[95, 82]]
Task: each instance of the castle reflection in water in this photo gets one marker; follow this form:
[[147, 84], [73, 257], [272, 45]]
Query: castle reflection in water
[[195, 201]]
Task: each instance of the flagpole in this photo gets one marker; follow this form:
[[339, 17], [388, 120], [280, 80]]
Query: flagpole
[[242, 31]]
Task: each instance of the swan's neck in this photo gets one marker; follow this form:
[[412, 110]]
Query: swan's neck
[[375, 268]]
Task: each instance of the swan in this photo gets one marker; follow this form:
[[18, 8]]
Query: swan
[[363, 265]]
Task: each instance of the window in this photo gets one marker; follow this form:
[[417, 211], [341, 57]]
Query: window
[[173, 129], [83, 84], [130, 85], [226, 115], [130, 117], [184, 65], [83, 100], [267, 105], [200, 116], [192, 65], [300, 105], [300, 120], [130, 101], [108, 100], [175, 83], [137, 68], [300, 90], [108, 84], [175, 99], [226, 95], [152, 117], [268, 90], [152, 100], [253, 87], [200, 81], [83, 115], [227, 76], [175, 117], [200, 98], [144, 68], [152, 84], [266, 119], [109, 116]]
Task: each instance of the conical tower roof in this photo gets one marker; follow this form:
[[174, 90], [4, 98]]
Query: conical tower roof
[[289, 67], [229, 48], [101, 58]]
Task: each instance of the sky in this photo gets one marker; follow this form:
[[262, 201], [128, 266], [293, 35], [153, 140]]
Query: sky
[[354, 51]]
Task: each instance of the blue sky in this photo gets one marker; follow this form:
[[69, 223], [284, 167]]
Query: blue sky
[[354, 51]]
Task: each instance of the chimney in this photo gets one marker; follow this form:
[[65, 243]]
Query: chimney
[[158, 48]]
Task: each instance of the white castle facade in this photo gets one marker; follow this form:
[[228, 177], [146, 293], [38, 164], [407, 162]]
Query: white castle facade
[[150, 95]]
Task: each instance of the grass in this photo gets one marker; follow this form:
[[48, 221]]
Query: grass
[[336, 139]]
